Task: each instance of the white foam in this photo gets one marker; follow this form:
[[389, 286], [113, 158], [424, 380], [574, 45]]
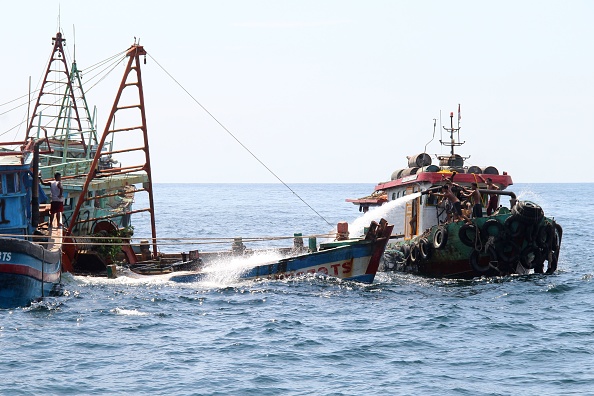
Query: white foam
[[128, 312], [230, 268], [386, 211]]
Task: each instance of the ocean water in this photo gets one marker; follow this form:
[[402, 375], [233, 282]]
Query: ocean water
[[403, 334]]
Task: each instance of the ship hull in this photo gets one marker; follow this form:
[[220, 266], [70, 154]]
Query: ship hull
[[351, 259], [498, 245], [27, 272]]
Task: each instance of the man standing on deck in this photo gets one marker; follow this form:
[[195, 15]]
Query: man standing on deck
[[447, 193], [493, 198], [475, 195], [57, 205]]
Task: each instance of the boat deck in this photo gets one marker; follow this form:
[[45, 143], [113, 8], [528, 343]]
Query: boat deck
[[55, 238]]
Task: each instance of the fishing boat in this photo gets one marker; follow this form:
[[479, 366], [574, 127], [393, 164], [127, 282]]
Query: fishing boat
[[356, 259], [501, 240], [30, 258], [351, 259], [99, 192]]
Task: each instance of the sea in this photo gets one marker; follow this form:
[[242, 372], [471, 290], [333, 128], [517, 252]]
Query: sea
[[402, 335]]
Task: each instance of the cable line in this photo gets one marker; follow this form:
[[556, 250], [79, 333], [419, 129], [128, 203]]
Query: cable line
[[237, 140]]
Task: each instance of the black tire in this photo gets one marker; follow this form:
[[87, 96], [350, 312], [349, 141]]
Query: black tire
[[425, 249], [405, 250], [415, 253], [440, 238], [528, 212], [544, 235], [555, 246], [467, 234], [514, 226], [538, 262], [492, 227], [557, 238], [508, 252], [530, 256], [475, 260]]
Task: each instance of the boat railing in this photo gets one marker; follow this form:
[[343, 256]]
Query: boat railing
[[511, 194], [76, 167]]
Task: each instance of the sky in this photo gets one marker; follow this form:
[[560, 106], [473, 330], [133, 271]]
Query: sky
[[331, 91]]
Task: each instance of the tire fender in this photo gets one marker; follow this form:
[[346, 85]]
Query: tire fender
[[440, 237]]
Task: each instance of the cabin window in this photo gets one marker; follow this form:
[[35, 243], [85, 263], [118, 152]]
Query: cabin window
[[11, 186], [432, 199], [398, 195], [393, 196], [99, 202], [89, 201], [403, 193]]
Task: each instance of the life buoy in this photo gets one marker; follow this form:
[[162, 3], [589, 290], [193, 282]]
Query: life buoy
[[425, 248], [492, 227], [514, 225], [440, 237], [475, 261], [467, 234]]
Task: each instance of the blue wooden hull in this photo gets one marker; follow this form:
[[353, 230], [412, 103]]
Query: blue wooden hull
[[27, 273], [353, 260]]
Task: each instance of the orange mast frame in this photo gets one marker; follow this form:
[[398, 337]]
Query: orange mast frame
[[133, 66]]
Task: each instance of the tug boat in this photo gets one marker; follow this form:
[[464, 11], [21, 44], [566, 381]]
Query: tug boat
[[514, 239]]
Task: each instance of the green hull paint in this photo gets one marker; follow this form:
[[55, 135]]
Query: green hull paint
[[502, 244]]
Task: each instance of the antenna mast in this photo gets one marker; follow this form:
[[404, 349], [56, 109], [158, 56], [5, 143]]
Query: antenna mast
[[452, 160], [452, 142]]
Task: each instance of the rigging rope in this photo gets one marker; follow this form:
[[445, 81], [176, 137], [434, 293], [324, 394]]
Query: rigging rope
[[62, 80], [14, 100], [101, 63], [14, 108], [100, 240], [237, 140], [113, 65]]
